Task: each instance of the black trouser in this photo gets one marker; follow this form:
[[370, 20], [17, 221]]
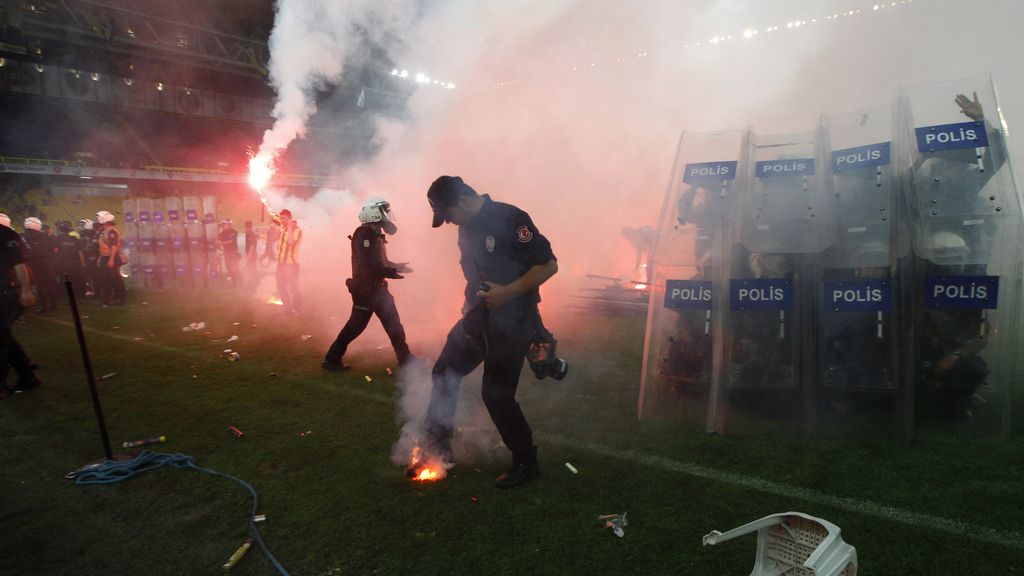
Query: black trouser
[[231, 263], [73, 270], [12, 355], [111, 284], [46, 283], [366, 302], [501, 345]]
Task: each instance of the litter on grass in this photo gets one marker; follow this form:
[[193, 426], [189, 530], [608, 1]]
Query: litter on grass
[[233, 338], [193, 327], [616, 522], [572, 468], [306, 337]]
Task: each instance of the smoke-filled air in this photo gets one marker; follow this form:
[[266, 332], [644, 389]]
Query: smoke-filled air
[[572, 111]]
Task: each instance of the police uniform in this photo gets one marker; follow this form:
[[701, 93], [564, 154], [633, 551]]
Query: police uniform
[[69, 261], [12, 355], [500, 244], [228, 239], [370, 295], [40, 260], [91, 252]]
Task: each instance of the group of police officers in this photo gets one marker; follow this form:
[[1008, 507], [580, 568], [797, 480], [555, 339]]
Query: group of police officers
[[88, 255], [848, 293]]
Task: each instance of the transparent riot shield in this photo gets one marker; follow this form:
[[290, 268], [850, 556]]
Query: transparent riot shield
[[147, 246], [966, 237], [178, 254], [162, 244], [213, 255], [783, 224], [195, 237], [679, 369], [130, 238], [856, 336]]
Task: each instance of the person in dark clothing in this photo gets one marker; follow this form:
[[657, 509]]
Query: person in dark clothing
[[90, 253], [252, 270], [70, 261], [370, 295], [40, 261], [227, 237], [505, 259], [15, 296], [108, 266]]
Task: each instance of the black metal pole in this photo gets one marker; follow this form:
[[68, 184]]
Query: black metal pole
[[88, 368]]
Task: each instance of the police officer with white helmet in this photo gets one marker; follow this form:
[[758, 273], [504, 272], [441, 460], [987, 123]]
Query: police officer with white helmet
[[368, 285]]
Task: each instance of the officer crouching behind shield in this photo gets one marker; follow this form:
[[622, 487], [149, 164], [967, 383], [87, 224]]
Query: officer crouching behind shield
[[369, 287], [504, 259]]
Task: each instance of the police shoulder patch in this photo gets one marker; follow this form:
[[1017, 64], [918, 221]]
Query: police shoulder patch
[[524, 234], [366, 243]]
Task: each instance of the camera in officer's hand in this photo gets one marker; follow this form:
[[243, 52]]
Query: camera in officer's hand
[[543, 360]]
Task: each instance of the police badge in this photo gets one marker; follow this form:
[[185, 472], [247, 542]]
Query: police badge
[[490, 243]]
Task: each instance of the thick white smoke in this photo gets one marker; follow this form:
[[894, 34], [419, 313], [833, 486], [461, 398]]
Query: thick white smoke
[[572, 110]]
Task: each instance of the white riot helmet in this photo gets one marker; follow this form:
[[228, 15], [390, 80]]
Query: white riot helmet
[[33, 223], [103, 217], [377, 210], [949, 249], [85, 224], [5, 220]]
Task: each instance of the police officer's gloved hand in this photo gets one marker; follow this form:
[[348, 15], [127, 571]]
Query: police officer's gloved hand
[[392, 273]]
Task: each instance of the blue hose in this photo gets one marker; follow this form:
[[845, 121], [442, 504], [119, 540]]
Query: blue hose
[[112, 471]]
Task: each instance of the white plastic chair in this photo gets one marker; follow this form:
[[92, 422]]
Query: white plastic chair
[[795, 544]]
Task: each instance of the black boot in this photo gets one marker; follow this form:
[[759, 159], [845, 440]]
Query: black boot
[[27, 380], [334, 365], [524, 468]]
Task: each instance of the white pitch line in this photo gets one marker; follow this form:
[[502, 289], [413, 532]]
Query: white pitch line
[[866, 507]]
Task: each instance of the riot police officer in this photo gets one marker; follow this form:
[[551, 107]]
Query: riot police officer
[[504, 259], [70, 261], [108, 267], [368, 285], [90, 253], [40, 258]]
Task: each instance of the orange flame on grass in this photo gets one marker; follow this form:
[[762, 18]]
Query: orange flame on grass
[[431, 471], [275, 301]]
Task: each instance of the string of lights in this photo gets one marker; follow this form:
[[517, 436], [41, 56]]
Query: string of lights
[[750, 33]]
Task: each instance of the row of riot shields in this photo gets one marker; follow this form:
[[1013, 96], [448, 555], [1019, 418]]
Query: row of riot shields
[[172, 241], [861, 277]]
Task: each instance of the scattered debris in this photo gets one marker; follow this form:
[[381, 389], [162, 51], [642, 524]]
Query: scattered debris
[[390, 373], [233, 338], [368, 379], [145, 303], [237, 555], [306, 433], [138, 338], [616, 522], [306, 337], [106, 377], [273, 374], [143, 442], [237, 323], [238, 433], [572, 468], [259, 518], [193, 327]]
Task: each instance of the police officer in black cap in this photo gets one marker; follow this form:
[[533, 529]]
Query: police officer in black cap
[[505, 259], [369, 287]]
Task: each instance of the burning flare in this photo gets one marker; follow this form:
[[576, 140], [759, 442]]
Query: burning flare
[[261, 170], [429, 469], [274, 300]]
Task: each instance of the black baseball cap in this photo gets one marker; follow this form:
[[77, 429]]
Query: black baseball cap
[[445, 192]]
